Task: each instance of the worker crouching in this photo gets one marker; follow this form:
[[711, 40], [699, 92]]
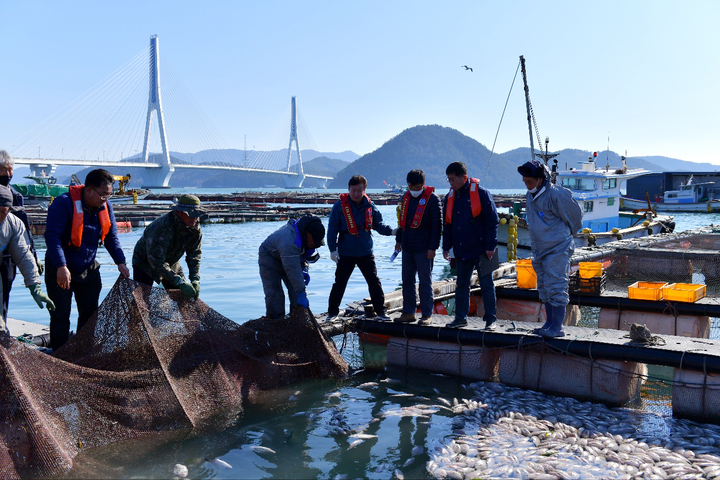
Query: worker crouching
[[284, 257]]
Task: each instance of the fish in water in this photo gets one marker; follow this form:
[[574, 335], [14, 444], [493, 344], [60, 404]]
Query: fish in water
[[399, 475], [362, 436], [180, 471], [355, 444], [261, 449], [417, 450], [219, 463], [408, 462], [368, 385], [334, 395]]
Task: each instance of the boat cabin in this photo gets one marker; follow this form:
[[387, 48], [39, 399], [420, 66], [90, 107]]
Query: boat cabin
[[598, 193], [690, 193]]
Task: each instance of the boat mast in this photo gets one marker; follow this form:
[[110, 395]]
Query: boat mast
[[528, 107], [531, 121]]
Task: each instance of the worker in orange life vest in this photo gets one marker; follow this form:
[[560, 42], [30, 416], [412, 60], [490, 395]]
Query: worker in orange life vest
[[418, 237], [470, 230], [349, 238], [77, 222]]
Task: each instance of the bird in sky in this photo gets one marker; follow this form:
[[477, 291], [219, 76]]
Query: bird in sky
[[468, 68]]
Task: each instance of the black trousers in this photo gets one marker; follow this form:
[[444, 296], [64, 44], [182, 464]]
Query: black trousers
[[7, 274], [344, 269], [141, 277], [86, 287]]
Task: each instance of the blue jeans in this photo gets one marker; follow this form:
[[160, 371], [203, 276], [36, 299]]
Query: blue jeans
[[413, 263], [462, 290]]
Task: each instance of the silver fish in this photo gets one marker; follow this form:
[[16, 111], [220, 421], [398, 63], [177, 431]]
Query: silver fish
[[261, 449], [219, 463]]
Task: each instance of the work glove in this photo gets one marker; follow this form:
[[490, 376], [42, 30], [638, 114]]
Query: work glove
[[303, 300], [185, 287], [40, 266], [195, 281], [41, 297], [334, 256], [395, 230], [306, 275]]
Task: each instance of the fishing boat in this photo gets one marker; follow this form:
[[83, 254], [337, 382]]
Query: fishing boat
[[46, 188], [598, 192], [394, 188], [691, 197]]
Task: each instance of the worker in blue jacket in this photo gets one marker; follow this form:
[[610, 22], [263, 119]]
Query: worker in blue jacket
[[553, 217], [418, 237], [77, 222], [470, 230], [349, 238]]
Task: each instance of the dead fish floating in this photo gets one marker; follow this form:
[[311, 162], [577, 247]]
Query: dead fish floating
[[218, 462], [261, 449]]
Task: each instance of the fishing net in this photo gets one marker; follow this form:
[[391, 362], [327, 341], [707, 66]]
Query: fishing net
[[150, 361]]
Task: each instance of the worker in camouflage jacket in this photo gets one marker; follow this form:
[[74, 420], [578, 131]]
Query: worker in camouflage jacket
[[163, 244]]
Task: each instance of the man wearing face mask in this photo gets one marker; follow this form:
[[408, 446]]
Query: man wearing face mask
[[553, 216], [8, 268], [13, 241], [158, 252], [418, 237]]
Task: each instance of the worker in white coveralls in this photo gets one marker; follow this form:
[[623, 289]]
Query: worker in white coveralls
[[284, 257], [553, 217], [14, 240]]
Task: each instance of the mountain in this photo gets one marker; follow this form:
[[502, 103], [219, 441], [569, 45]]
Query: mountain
[[430, 148]]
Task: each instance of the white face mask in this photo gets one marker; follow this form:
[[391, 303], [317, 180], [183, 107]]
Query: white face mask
[[533, 190], [415, 193]]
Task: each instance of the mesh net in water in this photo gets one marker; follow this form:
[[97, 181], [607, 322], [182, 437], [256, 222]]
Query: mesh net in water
[[150, 361]]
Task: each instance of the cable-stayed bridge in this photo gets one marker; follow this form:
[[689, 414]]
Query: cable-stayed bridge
[[125, 113]]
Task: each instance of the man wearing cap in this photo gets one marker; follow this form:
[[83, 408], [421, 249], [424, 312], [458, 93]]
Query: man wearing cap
[[8, 268], [13, 241], [284, 257], [77, 222], [163, 243], [470, 230], [553, 216]]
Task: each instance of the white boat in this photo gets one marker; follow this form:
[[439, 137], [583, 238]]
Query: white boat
[[598, 192], [691, 197]]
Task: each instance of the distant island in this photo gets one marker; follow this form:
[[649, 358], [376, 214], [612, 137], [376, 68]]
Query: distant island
[[428, 147]]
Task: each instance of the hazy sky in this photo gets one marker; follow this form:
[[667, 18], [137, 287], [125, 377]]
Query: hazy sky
[[644, 72]]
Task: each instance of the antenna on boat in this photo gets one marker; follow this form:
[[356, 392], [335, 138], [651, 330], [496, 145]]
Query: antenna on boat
[[607, 155]]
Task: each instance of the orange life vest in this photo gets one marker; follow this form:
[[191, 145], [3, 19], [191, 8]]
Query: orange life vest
[[475, 205], [422, 204], [78, 217], [347, 211]]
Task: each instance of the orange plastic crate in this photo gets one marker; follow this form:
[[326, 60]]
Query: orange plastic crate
[[590, 269], [684, 292], [646, 290]]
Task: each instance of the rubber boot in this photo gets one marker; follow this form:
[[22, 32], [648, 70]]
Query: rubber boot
[[548, 319], [556, 328]]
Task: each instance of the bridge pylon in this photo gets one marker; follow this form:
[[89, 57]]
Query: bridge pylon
[[293, 181], [158, 177]]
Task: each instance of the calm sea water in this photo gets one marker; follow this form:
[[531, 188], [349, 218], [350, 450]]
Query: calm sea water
[[298, 431]]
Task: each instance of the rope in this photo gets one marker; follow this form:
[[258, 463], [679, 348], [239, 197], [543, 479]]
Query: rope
[[492, 151]]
